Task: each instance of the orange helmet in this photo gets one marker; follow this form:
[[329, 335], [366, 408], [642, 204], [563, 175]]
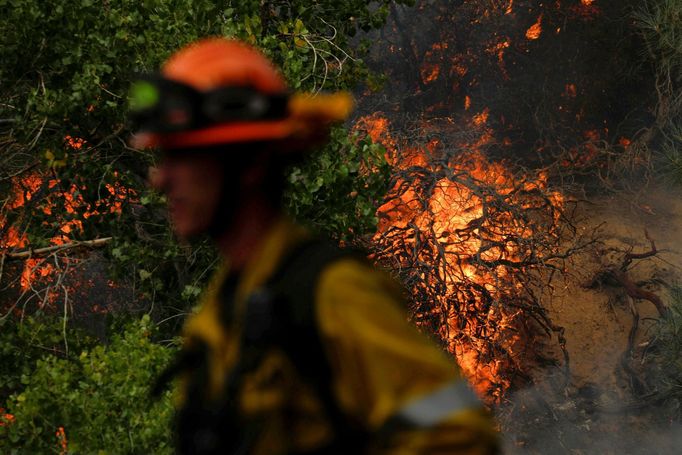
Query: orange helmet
[[218, 91]]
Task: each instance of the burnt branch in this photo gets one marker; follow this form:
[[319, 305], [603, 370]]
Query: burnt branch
[[476, 243], [40, 252], [617, 274]]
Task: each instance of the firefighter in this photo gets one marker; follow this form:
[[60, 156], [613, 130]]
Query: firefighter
[[298, 347]]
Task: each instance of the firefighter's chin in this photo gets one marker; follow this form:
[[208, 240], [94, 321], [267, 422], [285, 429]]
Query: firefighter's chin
[[187, 225]]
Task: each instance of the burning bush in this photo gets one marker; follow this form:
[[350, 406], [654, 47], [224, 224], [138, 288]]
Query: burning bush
[[476, 243]]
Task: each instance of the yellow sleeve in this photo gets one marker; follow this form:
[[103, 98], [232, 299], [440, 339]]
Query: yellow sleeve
[[389, 376]]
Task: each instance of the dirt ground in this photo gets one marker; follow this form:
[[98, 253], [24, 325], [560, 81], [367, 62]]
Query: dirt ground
[[595, 408]]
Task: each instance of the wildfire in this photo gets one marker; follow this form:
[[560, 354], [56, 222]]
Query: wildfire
[[70, 200], [38, 194], [473, 237], [471, 221], [74, 142]]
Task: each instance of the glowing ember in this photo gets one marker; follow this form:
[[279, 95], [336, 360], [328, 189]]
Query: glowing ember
[[63, 444], [481, 118], [5, 418], [74, 142], [624, 142], [535, 30], [587, 9], [570, 91], [430, 73], [498, 48]]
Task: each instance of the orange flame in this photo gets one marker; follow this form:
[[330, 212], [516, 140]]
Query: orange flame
[[5, 418], [28, 187], [481, 118], [453, 209], [535, 30], [587, 9], [74, 142], [63, 443], [430, 73], [498, 48], [376, 126]]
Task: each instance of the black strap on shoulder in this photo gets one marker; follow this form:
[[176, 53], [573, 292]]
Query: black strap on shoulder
[[283, 314]]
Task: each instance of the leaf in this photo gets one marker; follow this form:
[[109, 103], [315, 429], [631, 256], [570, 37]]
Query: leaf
[[298, 27], [247, 26], [144, 274]]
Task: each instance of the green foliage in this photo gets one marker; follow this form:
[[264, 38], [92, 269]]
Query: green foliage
[[66, 71], [671, 152], [338, 191], [24, 343], [660, 23], [101, 399], [663, 367], [71, 65]]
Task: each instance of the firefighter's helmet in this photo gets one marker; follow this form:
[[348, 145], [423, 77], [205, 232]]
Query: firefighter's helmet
[[219, 91]]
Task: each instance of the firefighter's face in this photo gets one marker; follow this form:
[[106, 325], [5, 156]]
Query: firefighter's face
[[193, 183]]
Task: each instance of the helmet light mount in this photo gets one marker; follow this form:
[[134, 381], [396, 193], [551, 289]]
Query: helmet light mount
[[162, 105]]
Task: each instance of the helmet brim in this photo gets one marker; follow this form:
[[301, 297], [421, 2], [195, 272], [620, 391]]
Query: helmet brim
[[310, 118], [217, 134]]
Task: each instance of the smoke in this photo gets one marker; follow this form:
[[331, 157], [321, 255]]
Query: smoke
[[580, 79], [543, 419], [611, 400]]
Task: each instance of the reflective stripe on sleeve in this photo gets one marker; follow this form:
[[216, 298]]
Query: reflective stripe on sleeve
[[431, 409]]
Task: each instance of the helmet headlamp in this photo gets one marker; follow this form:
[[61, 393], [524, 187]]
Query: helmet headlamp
[[161, 105]]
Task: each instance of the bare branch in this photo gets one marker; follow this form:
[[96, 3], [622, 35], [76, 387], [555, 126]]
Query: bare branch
[[39, 252]]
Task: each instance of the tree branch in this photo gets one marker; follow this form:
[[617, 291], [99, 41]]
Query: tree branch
[[31, 253]]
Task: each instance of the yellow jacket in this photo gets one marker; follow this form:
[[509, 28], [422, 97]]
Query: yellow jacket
[[382, 367]]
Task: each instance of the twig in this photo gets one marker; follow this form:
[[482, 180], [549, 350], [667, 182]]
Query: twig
[[30, 253], [635, 381], [636, 292]]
